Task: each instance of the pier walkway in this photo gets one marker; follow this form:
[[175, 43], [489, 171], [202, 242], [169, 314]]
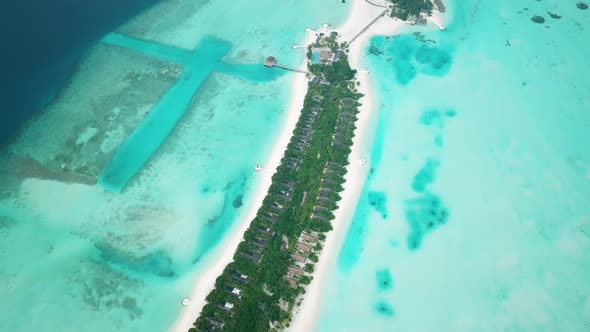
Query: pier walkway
[[292, 69], [368, 26], [376, 4]]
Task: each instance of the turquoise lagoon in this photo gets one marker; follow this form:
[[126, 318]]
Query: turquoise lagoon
[[170, 113], [475, 215]]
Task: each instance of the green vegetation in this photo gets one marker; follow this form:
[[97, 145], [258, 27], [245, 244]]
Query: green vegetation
[[410, 9], [303, 194]]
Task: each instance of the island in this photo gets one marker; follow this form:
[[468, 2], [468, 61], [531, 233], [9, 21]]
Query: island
[[275, 260], [263, 286]]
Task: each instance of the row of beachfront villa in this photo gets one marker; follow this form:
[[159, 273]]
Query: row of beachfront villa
[[276, 258]]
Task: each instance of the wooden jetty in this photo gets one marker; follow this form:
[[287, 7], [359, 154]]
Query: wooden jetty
[[271, 62], [379, 5], [368, 26]]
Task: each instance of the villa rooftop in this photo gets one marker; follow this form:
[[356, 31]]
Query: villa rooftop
[[253, 256], [326, 56], [271, 61], [295, 270], [308, 237], [227, 306], [240, 277], [215, 322], [292, 282], [266, 230], [303, 247], [298, 257]]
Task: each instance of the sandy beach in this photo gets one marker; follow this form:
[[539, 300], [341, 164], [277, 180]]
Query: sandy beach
[[224, 253], [361, 13], [306, 315]]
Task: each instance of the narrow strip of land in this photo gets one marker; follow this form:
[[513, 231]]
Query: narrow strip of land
[[276, 259]]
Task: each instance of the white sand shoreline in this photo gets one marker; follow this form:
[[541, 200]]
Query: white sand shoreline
[[361, 13], [205, 282]]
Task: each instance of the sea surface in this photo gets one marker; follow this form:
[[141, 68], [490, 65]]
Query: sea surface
[[121, 189], [475, 215]]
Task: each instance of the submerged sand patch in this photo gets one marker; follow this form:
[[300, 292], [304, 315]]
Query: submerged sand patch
[[101, 105]]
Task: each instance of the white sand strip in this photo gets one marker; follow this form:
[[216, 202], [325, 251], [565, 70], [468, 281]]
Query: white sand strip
[[361, 13], [206, 280]]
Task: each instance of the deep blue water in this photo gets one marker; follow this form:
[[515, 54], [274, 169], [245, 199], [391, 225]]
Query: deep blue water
[[41, 44]]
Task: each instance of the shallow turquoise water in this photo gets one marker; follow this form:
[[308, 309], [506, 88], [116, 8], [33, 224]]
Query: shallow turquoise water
[[123, 259], [477, 202], [159, 123]]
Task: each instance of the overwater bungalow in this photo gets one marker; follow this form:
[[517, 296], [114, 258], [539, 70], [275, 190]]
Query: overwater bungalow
[[253, 256], [295, 270], [226, 306], [303, 247], [240, 277], [215, 322], [298, 258], [308, 237], [271, 61], [258, 243], [234, 292]]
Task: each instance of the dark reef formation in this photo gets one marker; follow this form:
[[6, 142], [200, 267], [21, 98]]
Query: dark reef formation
[[377, 200], [538, 19], [384, 280], [384, 309], [582, 5]]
